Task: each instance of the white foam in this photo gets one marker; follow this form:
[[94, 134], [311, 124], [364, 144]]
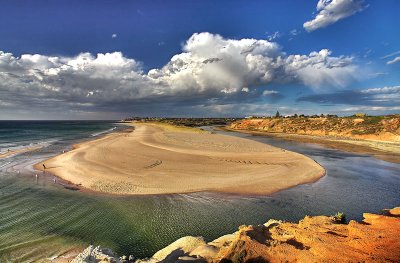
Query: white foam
[[102, 132], [1, 166], [39, 144]]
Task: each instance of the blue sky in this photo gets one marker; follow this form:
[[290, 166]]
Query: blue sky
[[360, 39]]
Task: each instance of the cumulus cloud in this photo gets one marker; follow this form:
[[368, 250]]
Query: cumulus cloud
[[210, 70], [331, 11], [319, 69]]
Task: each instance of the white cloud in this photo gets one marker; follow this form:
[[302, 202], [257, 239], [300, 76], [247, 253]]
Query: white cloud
[[391, 54], [294, 32], [114, 35], [369, 108], [319, 69], [383, 95], [395, 60], [210, 66], [269, 92], [377, 74], [394, 89], [331, 11], [274, 36]]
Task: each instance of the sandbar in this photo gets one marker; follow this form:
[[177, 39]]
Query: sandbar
[[164, 159]]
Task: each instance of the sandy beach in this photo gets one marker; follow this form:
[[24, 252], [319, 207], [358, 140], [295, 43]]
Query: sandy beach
[[162, 159]]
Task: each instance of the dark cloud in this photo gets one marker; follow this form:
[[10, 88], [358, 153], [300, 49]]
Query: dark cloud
[[382, 97], [211, 60]]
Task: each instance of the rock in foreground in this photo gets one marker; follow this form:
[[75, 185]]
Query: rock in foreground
[[96, 254]]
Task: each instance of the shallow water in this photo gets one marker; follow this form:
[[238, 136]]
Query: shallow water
[[39, 219]]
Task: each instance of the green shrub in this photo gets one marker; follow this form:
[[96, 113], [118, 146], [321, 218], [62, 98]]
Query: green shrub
[[340, 218], [373, 119]]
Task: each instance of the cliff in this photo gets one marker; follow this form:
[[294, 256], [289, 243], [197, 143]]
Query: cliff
[[313, 239], [381, 128]]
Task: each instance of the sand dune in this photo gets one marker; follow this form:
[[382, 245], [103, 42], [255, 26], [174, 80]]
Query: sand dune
[[160, 159]]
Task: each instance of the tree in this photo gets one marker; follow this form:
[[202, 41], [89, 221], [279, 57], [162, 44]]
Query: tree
[[277, 115]]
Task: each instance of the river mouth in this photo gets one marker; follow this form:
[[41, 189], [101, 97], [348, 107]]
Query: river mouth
[[39, 218]]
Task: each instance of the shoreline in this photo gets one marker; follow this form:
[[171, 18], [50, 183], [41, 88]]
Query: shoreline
[[184, 146], [386, 151], [11, 153]]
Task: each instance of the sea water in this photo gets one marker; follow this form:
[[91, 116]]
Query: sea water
[[41, 219]]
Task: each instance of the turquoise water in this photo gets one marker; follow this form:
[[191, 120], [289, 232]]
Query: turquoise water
[[40, 219]]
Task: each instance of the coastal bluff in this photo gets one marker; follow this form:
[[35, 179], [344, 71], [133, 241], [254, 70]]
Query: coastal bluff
[[379, 128], [313, 239]]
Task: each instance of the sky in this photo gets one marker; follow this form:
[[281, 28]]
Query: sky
[[104, 59]]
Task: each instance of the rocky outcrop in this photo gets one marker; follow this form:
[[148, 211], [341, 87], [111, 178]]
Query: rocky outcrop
[[96, 254], [382, 128], [313, 239], [318, 239]]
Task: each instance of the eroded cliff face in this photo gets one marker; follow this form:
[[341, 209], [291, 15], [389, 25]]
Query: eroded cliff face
[[382, 128], [313, 239]]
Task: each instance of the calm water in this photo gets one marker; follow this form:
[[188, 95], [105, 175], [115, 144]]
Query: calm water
[[39, 219]]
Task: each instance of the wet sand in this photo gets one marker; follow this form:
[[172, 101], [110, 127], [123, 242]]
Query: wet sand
[[10, 153], [163, 159]]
